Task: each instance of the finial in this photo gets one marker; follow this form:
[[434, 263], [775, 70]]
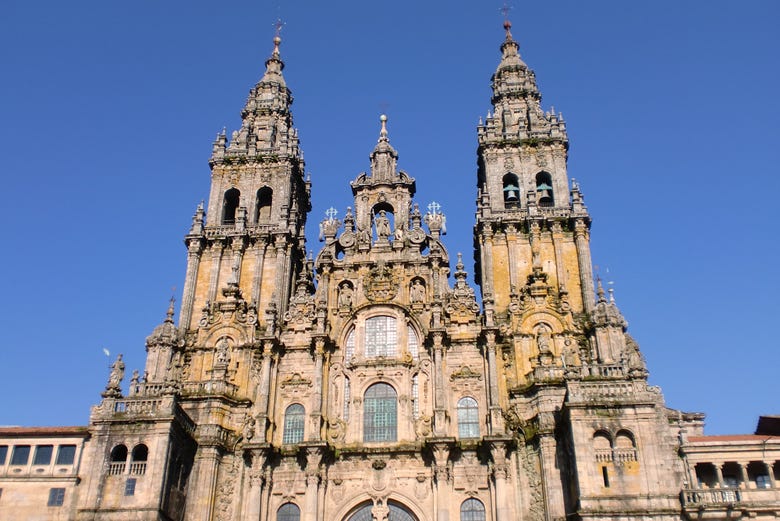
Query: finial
[[383, 131], [459, 266], [169, 313], [600, 291], [507, 24], [611, 295]]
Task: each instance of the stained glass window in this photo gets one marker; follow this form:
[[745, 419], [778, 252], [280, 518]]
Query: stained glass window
[[380, 419], [472, 510], [381, 337], [468, 418], [288, 512], [294, 418]]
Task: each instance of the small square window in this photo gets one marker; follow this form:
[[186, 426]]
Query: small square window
[[56, 497], [66, 454], [43, 454], [3, 453], [21, 455], [130, 487]]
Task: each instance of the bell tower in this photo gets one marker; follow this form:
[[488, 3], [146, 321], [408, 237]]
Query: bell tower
[[529, 222], [251, 234]]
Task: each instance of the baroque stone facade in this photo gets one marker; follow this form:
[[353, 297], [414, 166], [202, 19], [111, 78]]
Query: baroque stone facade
[[361, 384]]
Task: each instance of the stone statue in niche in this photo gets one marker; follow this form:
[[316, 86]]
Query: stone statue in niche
[[543, 340], [345, 295], [417, 292], [382, 224], [222, 351]]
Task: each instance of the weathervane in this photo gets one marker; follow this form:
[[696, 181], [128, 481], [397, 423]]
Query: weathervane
[[278, 24]]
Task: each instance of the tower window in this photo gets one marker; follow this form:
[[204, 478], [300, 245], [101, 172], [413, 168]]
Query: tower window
[[511, 191], [43, 454], [294, 419], [468, 418], [66, 455], [605, 476], [140, 455], [472, 510], [118, 460], [380, 406], [544, 189], [264, 198], [21, 455], [56, 497], [230, 205], [130, 487]]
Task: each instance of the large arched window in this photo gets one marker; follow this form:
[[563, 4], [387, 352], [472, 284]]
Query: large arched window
[[264, 198], [412, 344], [118, 460], [139, 456], [381, 337], [294, 418], [380, 413], [288, 512], [472, 510], [468, 418], [397, 513], [230, 205]]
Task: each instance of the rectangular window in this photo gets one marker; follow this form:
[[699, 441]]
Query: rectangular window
[[43, 454], [66, 454], [21, 455], [346, 399], [3, 453], [130, 487], [605, 476], [56, 497]]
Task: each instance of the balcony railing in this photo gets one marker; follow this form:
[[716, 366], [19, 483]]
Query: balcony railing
[[116, 468], [138, 468], [711, 496]]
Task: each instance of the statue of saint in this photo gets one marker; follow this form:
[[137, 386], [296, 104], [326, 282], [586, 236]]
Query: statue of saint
[[382, 225], [345, 296], [117, 373], [417, 292]]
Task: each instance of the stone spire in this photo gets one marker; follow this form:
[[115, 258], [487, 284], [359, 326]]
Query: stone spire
[[384, 157], [517, 112], [267, 126]]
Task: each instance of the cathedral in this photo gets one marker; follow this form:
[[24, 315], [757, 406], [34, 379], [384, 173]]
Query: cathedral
[[373, 380]]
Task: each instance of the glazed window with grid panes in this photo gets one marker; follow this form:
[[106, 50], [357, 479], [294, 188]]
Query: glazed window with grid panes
[[468, 418], [472, 510], [381, 337], [380, 413], [294, 418], [56, 497]]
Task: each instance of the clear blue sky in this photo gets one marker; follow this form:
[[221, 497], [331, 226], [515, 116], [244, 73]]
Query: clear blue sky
[[109, 108]]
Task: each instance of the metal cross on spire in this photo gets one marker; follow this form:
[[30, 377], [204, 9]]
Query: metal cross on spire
[[278, 25], [330, 213], [434, 208], [505, 9]]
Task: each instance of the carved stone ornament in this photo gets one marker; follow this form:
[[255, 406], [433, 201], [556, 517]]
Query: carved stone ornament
[[296, 380], [465, 372], [380, 285]]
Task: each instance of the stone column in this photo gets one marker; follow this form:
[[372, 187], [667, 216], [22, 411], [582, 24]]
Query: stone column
[[282, 284], [719, 474], [744, 474], [496, 419], [216, 261], [257, 276], [441, 473], [315, 433], [557, 237], [770, 473], [256, 479], [439, 406], [264, 390], [500, 470], [201, 504], [313, 474], [194, 249], [583, 259], [511, 244], [551, 480]]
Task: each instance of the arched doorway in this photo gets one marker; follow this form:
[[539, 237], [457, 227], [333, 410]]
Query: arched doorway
[[397, 513]]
